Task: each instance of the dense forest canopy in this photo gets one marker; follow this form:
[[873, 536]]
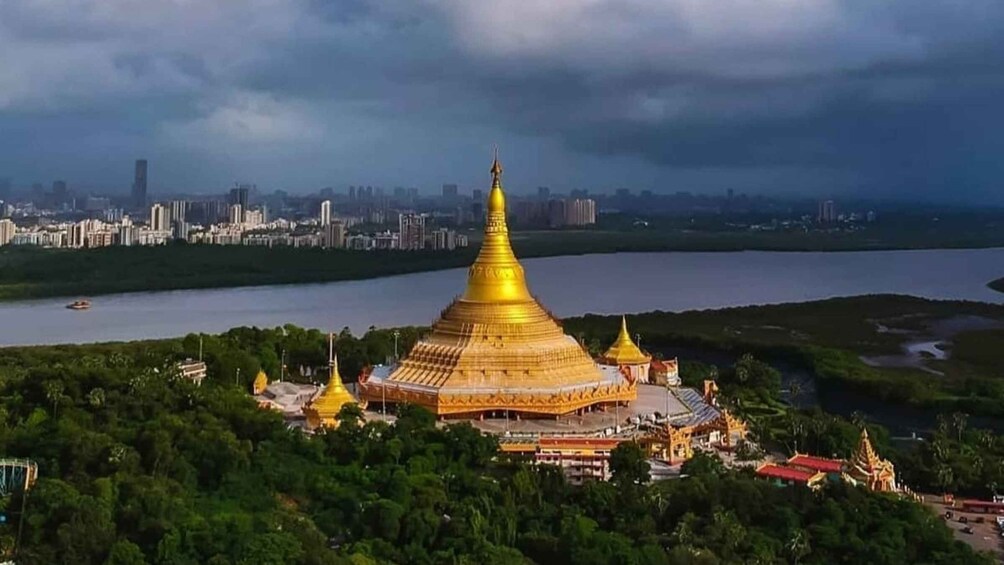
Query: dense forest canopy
[[138, 466]]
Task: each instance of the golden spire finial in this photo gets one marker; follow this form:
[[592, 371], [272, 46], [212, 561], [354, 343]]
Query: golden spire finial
[[496, 171], [334, 378], [496, 275]]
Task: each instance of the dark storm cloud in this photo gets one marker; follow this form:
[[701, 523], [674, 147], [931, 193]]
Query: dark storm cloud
[[886, 98]]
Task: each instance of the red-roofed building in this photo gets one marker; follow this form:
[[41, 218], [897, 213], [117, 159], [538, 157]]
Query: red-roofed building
[[818, 464], [983, 506], [791, 475], [664, 372]]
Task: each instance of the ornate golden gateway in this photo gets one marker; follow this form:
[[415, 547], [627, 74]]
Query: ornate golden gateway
[[496, 348]]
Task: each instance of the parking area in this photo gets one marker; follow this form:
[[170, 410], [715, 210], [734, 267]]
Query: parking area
[[985, 536]]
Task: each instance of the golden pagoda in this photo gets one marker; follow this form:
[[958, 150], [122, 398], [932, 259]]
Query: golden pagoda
[[260, 383], [495, 348], [624, 353], [867, 468], [323, 410]]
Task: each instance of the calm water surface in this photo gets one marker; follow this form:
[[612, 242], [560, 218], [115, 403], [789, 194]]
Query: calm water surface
[[624, 282]]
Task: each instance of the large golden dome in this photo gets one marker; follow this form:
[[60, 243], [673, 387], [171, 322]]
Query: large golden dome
[[495, 348]]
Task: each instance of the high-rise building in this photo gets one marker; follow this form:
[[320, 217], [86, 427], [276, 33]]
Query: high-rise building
[[543, 193], [450, 191], [571, 212], [179, 209], [581, 212], [334, 235], [236, 214], [240, 195], [60, 193], [139, 184], [412, 229], [827, 212], [7, 230], [326, 213], [160, 217]]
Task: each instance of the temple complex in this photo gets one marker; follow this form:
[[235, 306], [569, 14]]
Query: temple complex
[[496, 350], [323, 410], [867, 468], [864, 468]]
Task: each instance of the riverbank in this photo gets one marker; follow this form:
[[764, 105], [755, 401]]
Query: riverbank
[[39, 273]]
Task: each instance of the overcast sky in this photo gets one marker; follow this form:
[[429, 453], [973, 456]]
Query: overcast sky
[[897, 98]]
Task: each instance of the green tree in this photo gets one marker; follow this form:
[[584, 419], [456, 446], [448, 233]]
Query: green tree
[[629, 464]]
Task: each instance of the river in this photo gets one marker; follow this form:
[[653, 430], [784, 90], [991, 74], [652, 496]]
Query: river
[[569, 286]]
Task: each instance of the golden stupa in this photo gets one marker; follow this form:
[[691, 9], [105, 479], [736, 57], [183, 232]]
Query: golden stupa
[[624, 351], [260, 383], [323, 410], [495, 348]]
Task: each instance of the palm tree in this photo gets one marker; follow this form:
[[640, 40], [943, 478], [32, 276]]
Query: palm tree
[[959, 420], [96, 397], [794, 391], [798, 546], [942, 424], [53, 392], [988, 438], [945, 477], [858, 419]]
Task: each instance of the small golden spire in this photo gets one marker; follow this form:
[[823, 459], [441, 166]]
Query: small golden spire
[[865, 454], [323, 411], [624, 351]]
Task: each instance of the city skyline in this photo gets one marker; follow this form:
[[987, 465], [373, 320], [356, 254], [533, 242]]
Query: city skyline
[[894, 101]]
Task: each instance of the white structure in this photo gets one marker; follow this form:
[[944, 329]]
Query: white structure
[[160, 218], [7, 230], [326, 213]]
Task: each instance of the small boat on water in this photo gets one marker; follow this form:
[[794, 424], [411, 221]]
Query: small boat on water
[[79, 305]]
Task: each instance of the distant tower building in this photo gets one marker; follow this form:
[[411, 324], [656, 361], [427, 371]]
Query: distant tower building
[[139, 185], [352, 193], [543, 193], [580, 212], [412, 231], [334, 235], [326, 213], [59, 192], [6, 231], [236, 214], [240, 195], [449, 192], [556, 213], [827, 212], [160, 218], [478, 205], [178, 210]]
